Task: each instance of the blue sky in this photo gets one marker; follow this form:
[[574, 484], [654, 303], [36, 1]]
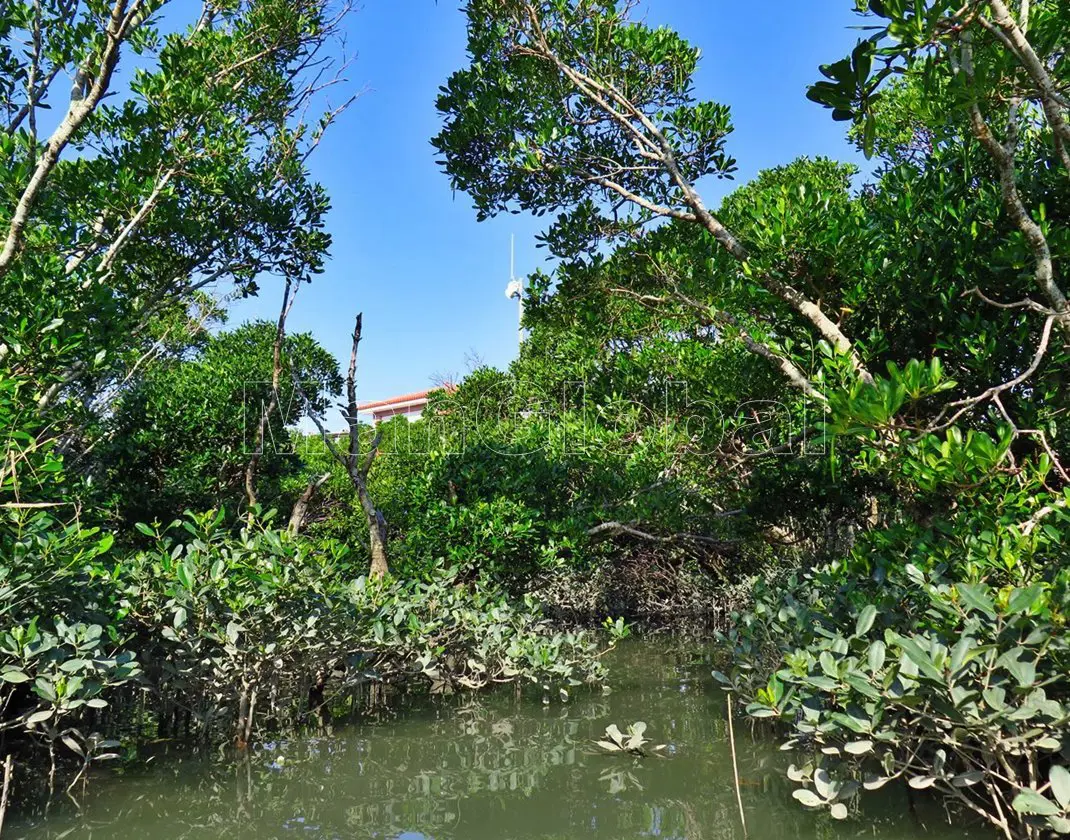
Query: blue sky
[[410, 254]]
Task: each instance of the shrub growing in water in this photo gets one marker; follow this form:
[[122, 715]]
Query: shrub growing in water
[[232, 634], [937, 655]]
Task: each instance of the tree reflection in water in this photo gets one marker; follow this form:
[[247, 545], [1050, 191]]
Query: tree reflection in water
[[490, 766]]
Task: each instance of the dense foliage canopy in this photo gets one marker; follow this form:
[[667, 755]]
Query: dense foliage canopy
[[881, 370], [832, 406], [147, 588]]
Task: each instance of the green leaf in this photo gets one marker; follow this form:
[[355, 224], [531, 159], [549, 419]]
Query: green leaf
[[824, 783], [184, 575], [960, 653], [865, 620], [873, 782], [869, 135], [1029, 801], [1019, 662], [975, 596], [875, 656], [1059, 777], [1023, 600], [862, 686], [920, 658], [73, 745], [822, 683]]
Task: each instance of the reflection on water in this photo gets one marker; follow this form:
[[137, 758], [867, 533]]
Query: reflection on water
[[497, 766]]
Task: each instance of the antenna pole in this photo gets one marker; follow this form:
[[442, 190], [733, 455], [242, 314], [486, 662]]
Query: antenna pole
[[520, 290]]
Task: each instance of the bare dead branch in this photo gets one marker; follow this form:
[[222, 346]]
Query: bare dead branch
[[607, 530], [960, 407], [796, 378], [356, 467], [1037, 518], [1023, 50]]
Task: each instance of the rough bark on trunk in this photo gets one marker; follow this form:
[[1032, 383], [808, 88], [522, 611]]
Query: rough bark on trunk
[[300, 508], [377, 540]]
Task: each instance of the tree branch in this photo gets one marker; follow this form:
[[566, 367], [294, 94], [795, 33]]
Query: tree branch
[[81, 106], [1023, 50], [1003, 156], [356, 467], [654, 145], [289, 295]]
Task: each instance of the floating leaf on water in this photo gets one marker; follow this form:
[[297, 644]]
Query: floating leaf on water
[[796, 774], [807, 798]]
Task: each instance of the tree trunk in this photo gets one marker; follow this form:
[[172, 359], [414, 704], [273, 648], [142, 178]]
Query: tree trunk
[[273, 400], [300, 508], [356, 466], [379, 566]]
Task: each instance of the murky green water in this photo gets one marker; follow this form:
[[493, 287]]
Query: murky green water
[[464, 768]]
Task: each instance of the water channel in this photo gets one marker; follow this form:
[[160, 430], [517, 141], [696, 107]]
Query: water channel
[[496, 766]]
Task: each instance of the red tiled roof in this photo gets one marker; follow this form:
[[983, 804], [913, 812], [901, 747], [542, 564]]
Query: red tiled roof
[[404, 398]]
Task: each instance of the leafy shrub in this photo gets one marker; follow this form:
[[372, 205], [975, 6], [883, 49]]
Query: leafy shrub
[[226, 618], [502, 539], [61, 647], [232, 633], [472, 635], [949, 668]]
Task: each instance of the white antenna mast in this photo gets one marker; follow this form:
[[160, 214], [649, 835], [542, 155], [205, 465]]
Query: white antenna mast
[[515, 289]]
